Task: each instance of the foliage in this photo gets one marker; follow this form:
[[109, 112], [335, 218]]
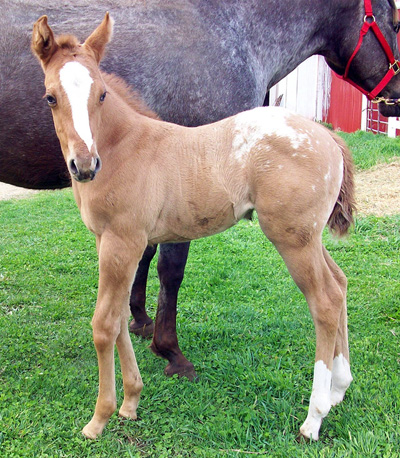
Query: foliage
[[241, 321]]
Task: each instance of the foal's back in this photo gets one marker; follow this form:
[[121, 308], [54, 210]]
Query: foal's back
[[267, 159]]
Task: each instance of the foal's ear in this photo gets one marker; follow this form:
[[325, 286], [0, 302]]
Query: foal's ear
[[100, 37], [43, 44]]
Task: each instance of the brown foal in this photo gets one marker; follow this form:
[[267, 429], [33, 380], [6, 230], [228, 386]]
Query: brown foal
[[139, 181]]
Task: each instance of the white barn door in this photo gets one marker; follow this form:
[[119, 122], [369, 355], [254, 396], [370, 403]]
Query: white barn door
[[306, 90]]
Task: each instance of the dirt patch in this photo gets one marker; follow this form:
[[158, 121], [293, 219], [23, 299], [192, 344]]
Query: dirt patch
[[377, 190], [13, 192]]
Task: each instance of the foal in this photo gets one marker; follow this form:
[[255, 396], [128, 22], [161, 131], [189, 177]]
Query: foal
[[140, 181]]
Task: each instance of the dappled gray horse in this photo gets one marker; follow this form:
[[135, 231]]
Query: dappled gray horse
[[194, 63]]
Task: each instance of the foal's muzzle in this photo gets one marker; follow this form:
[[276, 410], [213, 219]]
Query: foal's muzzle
[[82, 172]]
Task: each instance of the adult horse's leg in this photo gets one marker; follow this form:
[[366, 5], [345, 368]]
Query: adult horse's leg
[[142, 324], [171, 266], [118, 260]]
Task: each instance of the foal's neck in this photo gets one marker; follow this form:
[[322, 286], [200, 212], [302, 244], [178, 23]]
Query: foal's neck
[[125, 113]]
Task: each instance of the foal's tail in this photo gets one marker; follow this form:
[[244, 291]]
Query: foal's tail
[[342, 214]]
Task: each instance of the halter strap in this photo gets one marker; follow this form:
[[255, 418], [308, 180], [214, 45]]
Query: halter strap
[[394, 65]]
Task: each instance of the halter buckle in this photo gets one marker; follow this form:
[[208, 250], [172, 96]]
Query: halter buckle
[[386, 101], [395, 67]]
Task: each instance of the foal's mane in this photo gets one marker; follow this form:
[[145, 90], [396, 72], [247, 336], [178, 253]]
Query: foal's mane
[[69, 42], [115, 83], [126, 93]]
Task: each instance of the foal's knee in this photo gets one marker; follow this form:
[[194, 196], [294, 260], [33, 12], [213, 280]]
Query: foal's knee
[[342, 280], [105, 334]]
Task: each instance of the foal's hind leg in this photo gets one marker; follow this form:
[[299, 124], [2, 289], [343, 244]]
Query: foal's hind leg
[[326, 300], [341, 374]]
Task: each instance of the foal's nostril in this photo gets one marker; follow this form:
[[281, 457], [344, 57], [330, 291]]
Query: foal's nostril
[[73, 167], [97, 166]]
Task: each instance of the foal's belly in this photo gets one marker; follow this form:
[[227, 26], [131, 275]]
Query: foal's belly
[[195, 223]]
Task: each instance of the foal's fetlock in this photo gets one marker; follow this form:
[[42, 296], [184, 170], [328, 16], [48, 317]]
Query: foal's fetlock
[[338, 391], [94, 428], [318, 410], [128, 410], [341, 379], [102, 413], [131, 400]]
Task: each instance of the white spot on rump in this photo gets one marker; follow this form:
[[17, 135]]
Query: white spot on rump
[[327, 176], [253, 125], [76, 82]]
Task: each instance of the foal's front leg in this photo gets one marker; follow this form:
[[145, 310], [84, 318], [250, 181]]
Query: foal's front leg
[[118, 260]]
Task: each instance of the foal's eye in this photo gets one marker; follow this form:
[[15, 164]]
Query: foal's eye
[[103, 96], [51, 101]]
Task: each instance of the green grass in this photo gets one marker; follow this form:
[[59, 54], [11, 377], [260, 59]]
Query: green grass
[[369, 149], [241, 321]]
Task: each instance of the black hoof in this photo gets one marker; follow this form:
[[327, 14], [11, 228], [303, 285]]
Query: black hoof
[[145, 331], [186, 370]]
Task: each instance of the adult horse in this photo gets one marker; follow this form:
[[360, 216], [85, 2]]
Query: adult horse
[[194, 63]]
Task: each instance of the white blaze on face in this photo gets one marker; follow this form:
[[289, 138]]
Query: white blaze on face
[[76, 82]]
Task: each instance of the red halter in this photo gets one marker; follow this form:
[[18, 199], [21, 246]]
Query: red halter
[[394, 65]]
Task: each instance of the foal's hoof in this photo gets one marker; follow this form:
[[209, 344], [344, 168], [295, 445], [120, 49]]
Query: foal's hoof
[[91, 431], [186, 370], [88, 434], [302, 439], [145, 331]]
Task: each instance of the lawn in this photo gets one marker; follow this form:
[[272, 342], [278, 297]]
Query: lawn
[[242, 322]]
